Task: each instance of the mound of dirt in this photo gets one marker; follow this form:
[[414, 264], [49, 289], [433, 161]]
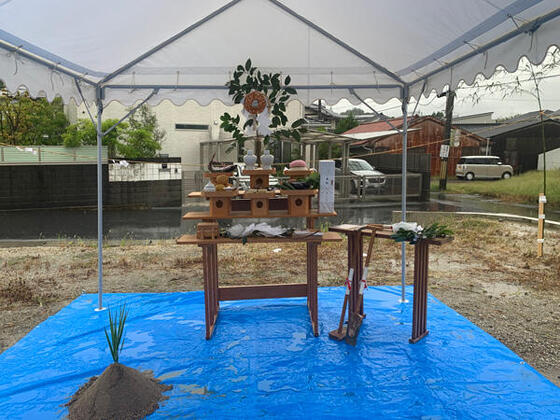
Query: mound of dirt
[[119, 393]]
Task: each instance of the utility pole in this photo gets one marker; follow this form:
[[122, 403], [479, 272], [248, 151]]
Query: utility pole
[[446, 136]]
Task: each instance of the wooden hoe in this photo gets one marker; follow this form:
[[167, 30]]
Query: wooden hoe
[[355, 319], [340, 332]]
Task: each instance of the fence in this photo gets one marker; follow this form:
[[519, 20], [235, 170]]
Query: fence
[[359, 188], [50, 155]]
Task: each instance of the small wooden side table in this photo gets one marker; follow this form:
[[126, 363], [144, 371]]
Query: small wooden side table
[[355, 235]]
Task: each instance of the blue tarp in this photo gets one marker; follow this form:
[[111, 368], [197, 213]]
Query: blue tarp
[[264, 361]]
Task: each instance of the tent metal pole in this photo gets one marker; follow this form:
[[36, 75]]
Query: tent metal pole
[[403, 188], [99, 202]]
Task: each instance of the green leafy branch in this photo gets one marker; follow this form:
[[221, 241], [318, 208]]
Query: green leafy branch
[[434, 230], [248, 78]]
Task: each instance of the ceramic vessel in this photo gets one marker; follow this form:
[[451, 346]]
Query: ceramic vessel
[[267, 160], [209, 187], [250, 159]]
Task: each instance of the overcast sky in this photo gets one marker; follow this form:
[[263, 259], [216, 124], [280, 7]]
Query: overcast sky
[[489, 101]]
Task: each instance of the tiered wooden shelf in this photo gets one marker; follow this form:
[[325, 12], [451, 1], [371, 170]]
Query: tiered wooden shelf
[[259, 202]]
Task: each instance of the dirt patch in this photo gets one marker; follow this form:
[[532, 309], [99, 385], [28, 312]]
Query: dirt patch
[[489, 273], [119, 393]]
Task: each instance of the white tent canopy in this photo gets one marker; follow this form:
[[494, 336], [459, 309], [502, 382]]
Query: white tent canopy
[[130, 50], [189, 48]]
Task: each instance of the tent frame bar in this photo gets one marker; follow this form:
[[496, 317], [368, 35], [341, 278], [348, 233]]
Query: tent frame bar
[[223, 87], [129, 113], [494, 20], [377, 114], [339, 42], [529, 28], [44, 61], [168, 41]]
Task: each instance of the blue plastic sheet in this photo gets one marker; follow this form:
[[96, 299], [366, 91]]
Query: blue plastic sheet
[[264, 361]]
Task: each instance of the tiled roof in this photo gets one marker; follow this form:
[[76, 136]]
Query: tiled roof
[[519, 122], [375, 126]]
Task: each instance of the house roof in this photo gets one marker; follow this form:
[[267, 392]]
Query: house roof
[[325, 112], [520, 122], [382, 126], [376, 126], [481, 118]]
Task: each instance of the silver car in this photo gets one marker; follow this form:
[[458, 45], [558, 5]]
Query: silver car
[[363, 176], [483, 167]]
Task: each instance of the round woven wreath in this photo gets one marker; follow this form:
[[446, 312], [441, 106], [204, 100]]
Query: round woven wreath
[[255, 102]]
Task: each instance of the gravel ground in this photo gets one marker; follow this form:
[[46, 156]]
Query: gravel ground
[[490, 274]]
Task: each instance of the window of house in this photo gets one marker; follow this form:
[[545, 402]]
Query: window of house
[[180, 126]]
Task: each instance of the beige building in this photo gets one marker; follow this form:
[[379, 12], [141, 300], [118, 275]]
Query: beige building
[[187, 127]]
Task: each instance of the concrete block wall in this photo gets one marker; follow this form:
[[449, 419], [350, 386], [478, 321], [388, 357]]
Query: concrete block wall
[[50, 186], [145, 193], [47, 186]]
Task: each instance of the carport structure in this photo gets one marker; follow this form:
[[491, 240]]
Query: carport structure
[[141, 50]]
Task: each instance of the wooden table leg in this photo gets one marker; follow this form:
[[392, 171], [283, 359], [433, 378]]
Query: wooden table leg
[[420, 303], [310, 222], [355, 261], [210, 271], [215, 284], [312, 301]]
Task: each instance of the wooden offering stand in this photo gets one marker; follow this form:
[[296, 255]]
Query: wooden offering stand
[[259, 177], [299, 201], [355, 236], [261, 203]]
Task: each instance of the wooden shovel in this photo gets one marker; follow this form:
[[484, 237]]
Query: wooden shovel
[[355, 319], [340, 332]]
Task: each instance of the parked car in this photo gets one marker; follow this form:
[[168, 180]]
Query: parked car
[[483, 167], [243, 181], [361, 171]]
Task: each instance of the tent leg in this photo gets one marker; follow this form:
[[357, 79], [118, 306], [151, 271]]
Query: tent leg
[[403, 188], [99, 207]]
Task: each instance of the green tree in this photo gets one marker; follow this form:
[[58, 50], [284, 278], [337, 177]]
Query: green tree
[[144, 118], [84, 133], [323, 150], [28, 121], [138, 143], [140, 137], [346, 124], [353, 111], [438, 114]]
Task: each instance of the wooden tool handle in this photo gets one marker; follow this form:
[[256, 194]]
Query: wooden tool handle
[[343, 314], [371, 241]]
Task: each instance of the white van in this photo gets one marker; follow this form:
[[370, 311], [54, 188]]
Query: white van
[[483, 167]]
